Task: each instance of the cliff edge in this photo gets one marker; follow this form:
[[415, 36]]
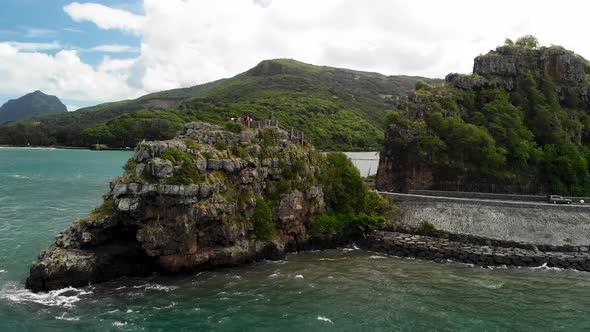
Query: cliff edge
[[519, 124]]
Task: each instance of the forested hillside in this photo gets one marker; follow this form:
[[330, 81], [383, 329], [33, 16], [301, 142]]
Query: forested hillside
[[336, 108]]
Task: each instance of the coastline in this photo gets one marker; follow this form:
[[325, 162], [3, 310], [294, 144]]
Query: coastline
[[441, 247], [60, 147]]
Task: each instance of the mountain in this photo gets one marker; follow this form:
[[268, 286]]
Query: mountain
[[31, 105], [336, 108], [519, 124]]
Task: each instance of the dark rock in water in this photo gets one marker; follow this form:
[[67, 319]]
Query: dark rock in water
[[30, 106], [74, 267], [185, 205]]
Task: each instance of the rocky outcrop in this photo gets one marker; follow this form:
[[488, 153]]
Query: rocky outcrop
[[500, 68], [441, 249], [189, 203], [403, 163], [420, 153]]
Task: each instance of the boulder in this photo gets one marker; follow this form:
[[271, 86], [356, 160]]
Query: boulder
[[160, 168]]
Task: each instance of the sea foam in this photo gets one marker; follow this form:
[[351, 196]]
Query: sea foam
[[65, 297]]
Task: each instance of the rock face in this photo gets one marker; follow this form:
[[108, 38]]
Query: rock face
[[441, 247], [403, 162], [29, 106], [499, 69], [408, 163], [187, 204]]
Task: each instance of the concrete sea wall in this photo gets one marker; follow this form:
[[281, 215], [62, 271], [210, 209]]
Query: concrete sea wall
[[525, 222]]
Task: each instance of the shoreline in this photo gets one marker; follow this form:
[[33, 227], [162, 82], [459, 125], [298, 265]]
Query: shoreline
[[425, 245], [441, 248], [60, 147]]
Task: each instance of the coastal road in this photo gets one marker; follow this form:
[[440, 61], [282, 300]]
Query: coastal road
[[416, 197]]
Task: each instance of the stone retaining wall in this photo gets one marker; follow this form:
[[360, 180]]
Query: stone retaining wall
[[526, 222], [442, 249]]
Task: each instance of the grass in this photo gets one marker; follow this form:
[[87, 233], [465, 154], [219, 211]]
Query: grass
[[100, 212]]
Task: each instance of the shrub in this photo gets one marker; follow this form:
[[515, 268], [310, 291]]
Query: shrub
[[129, 166], [426, 226], [234, 127], [421, 85], [333, 223], [263, 225], [268, 136], [328, 223], [100, 212], [365, 223], [239, 151], [187, 173], [221, 146]]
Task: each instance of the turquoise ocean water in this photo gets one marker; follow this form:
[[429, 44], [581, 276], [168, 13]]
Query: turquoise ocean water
[[43, 191]]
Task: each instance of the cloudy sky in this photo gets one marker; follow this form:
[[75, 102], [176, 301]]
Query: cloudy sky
[[92, 52]]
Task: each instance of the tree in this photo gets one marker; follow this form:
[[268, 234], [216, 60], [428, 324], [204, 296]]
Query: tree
[[528, 41], [422, 85], [263, 226]]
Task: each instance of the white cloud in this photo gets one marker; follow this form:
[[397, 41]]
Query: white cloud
[[36, 33], [73, 30], [62, 74], [114, 48], [105, 17], [188, 42], [33, 46], [72, 108]]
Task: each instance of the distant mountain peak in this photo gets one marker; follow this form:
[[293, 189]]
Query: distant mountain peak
[[31, 105]]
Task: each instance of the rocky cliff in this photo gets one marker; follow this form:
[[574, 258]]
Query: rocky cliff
[[500, 68], [195, 202], [520, 123]]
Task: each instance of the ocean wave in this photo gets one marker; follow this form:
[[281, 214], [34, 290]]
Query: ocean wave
[[325, 319], [156, 287], [171, 305], [544, 267], [352, 247], [2, 271], [119, 324], [64, 317], [18, 176], [65, 297], [377, 257], [494, 286], [299, 276], [333, 259]]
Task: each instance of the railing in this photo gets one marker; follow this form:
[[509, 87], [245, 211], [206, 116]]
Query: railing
[[294, 134]]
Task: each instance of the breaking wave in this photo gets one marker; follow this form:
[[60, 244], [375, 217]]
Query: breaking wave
[[65, 297]]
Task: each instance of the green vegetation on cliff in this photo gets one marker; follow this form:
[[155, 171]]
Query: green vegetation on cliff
[[336, 108], [351, 205], [523, 118]]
